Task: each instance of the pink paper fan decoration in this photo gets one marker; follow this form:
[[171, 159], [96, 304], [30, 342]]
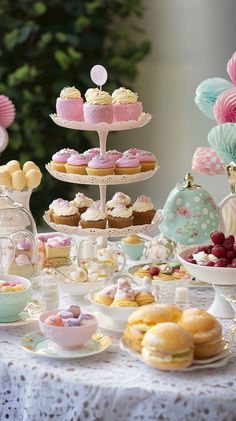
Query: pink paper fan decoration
[[231, 68], [206, 161], [225, 107], [7, 111]]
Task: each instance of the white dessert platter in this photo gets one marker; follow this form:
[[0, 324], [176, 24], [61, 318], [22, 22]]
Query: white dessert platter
[[107, 232], [219, 360], [106, 127], [223, 280], [101, 180]]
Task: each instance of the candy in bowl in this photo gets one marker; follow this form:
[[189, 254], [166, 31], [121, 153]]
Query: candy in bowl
[[15, 292]]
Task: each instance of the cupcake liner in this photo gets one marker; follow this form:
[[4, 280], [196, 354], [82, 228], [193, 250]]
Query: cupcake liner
[[76, 169], [142, 218], [82, 209], [58, 166], [72, 220], [101, 223], [147, 166], [122, 170], [120, 222], [99, 171]]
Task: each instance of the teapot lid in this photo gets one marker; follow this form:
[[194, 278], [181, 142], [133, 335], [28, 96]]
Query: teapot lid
[[188, 183]]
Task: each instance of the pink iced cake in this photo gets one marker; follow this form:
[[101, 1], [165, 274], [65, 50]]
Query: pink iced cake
[[127, 165], [125, 105], [98, 107], [59, 159], [69, 105], [100, 165], [56, 249]]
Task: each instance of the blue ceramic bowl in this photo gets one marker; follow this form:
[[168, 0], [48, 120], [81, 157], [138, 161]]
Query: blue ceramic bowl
[[133, 251], [13, 303]]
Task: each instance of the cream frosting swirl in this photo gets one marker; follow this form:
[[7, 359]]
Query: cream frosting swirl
[[93, 213], [96, 97], [65, 209], [143, 204], [124, 96], [120, 211], [119, 197], [82, 201], [70, 93], [201, 258]]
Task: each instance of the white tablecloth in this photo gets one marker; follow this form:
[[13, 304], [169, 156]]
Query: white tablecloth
[[111, 386]]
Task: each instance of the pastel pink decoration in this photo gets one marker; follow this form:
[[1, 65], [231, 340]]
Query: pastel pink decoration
[[63, 155], [68, 337], [145, 156], [7, 111], [58, 242], [98, 75], [94, 113], [70, 109], [225, 107], [101, 161], [114, 154], [131, 151], [206, 161], [127, 162], [22, 260], [78, 159], [126, 112], [231, 68]]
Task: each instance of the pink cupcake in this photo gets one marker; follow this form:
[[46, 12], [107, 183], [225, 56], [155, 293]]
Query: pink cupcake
[[100, 165], [147, 160], [92, 152], [131, 151], [59, 159], [127, 165], [98, 108], [77, 163], [69, 105], [114, 154], [225, 107], [125, 105]]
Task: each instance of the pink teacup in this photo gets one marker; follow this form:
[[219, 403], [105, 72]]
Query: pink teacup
[[67, 337]]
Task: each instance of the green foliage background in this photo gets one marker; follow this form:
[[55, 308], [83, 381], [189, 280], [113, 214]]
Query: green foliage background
[[46, 45]]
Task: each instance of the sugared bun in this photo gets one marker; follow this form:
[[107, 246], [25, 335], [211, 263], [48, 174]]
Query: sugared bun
[[206, 331], [12, 166], [168, 346], [140, 321], [33, 178], [18, 180], [30, 165], [174, 312]]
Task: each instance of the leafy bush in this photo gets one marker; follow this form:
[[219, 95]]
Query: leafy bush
[[49, 44]]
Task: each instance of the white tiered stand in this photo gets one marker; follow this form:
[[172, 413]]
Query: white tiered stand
[[102, 181]]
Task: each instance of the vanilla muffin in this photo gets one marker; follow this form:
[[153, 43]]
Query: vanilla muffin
[[120, 216], [143, 210], [94, 217], [117, 199]]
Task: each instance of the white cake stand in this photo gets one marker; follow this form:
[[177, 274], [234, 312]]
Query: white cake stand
[[223, 281]]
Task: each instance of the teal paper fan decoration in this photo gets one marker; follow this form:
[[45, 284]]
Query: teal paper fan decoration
[[207, 93], [222, 139]]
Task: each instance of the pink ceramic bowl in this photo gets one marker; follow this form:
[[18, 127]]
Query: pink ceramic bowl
[[67, 337]]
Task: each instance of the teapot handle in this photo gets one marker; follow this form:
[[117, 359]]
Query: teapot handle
[[221, 205]]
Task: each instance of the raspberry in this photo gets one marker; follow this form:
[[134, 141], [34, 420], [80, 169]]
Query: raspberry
[[221, 263], [227, 244], [234, 246], [190, 259], [231, 238], [209, 249], [219, 251], [154, 271], [201, 248], [210, 263], [233, 263], [217, 237], [230, 266], [230, 255]]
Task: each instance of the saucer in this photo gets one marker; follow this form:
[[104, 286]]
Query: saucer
[[30, 314], [36, 344], [219, 360]]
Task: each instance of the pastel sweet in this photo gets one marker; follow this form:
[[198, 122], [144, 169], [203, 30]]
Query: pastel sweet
[[7, 111], [30, 165], [206, 161], [127, 165], [69, 105], [85, 318], [75, 310], [18, 180], [33, 178], [114, 154], [207, 93], [120, 216], [54, 320], [147, 160], [92, 152], [65, 213], [66, 314], [82, 202], [119, 198], [77, 163], [125, 105], [231, 68], [225, 107], [73, 321], [97, 107], [59, 159], [94, 217], [143, 210], [100, 165]]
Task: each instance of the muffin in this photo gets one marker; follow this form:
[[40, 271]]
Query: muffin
[[55, 204], [119, 198], [59, 159], [120, 216], [100, 165], [131, 151], [143, 210], [147, 160], [66, 214], [114, 154], [94, 217], [69, 105], [76, 164], [127, 165], [98, 107], [82, 202], [125, 105], [92, 152]]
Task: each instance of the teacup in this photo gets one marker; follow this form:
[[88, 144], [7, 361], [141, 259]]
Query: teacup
[[133, 251]]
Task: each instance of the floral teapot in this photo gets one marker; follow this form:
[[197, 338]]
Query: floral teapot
[[189, 214]]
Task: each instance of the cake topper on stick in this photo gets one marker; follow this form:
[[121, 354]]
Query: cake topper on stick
[[98, 75]]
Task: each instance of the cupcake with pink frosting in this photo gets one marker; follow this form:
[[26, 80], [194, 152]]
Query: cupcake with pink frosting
[[225, 107], [119, 198], [98, 108], [143, 210], [94, 217], [120, 216], [59, 159], [127, 165], [77, 163], [69, 105], [82, 202], [125, 105], [114, 154], [100, 165], [147, 160], [131, 152], [92, 152]]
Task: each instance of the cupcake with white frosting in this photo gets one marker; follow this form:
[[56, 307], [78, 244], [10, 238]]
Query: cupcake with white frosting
[[69, 105], [125, 105], [82, 202], [143, 210], [98, 108], [117, 199], [120, 216], [65, 213], [94, 217]]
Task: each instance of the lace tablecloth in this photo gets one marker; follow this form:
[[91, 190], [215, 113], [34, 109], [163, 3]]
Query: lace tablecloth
[[111, 386]]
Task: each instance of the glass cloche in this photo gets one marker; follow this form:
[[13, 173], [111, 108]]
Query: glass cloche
[[17, 225]]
